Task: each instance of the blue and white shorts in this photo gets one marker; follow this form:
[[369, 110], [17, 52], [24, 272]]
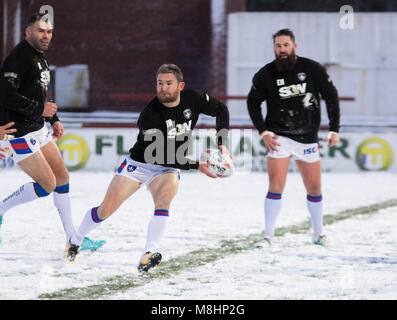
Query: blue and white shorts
[[143, 173], [307, 152], [23, 147]]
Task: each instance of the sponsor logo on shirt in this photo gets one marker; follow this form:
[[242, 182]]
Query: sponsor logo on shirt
[[178, 129], [292, 90], [45, 79]]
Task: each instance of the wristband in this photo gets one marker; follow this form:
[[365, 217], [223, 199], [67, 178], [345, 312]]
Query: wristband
[[266, 132], [330, 134]]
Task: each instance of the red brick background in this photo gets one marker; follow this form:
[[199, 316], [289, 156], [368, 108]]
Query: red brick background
[[124, 42]]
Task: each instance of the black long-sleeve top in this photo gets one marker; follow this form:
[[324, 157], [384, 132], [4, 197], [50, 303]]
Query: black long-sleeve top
[[293, 100], [164, 133], [24, 81]]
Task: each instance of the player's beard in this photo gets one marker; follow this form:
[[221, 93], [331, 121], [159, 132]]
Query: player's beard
[[284, 63], [39, 45], [166, 97]]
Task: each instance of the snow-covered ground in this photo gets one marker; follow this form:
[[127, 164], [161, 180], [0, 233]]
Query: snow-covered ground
[[202, 259]]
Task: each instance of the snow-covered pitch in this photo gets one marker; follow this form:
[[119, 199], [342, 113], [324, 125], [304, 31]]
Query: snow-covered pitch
[[209, 249]]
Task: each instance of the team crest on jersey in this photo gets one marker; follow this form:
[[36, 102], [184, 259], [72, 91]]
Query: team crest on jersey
[[301, 76], [187, 113]]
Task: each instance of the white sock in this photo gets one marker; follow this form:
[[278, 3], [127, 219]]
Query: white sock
[[156, 230], [89, 223], [61, 199], [272, 209], [315, 207], [28, 192]]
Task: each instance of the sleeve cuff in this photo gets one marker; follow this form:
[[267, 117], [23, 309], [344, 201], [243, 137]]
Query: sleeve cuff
[[194, 166]]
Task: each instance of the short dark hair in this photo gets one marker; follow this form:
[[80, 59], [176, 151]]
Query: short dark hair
[[284, 32], [171, 68], [33, 18]]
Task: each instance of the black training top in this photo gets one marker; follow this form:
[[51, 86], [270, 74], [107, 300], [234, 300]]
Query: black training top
[[24, 81], [164, 133], [293, 100]]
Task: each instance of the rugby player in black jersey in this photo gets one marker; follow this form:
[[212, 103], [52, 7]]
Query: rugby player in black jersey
[[165, 128], [24, 81], [292, 86]]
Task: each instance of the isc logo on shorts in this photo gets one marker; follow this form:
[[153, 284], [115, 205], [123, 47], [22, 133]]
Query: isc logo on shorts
[[310, 150]]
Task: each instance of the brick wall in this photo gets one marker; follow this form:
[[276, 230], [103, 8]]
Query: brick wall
[[219, 47], [124, 42], [7, 34]]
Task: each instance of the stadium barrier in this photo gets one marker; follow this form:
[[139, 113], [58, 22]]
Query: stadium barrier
[[103, 149]]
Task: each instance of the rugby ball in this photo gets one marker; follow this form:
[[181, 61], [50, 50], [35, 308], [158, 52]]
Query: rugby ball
[[220, 164]]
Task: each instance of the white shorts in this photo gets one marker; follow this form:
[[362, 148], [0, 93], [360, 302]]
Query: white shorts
[[143, 173], [307, 152], [23, 147]]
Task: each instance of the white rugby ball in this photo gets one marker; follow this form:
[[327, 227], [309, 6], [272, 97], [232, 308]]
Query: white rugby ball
[[220, 164]]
